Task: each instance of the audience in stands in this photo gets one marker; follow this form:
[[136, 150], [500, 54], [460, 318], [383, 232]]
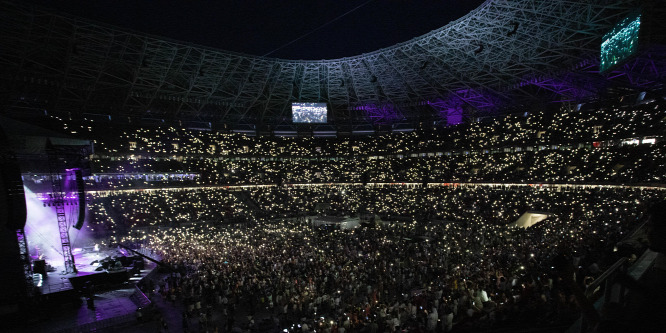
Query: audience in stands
[[469, 269], [232, 214]]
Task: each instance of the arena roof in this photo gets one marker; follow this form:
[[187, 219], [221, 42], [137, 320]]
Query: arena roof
[[501, 53], [286, 29]]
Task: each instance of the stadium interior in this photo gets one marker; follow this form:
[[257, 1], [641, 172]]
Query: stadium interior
[[503, 173]]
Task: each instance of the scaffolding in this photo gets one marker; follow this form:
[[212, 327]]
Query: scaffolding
[[59, 203], [24, 256]]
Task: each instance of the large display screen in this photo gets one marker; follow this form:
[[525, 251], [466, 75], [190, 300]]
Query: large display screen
[[620, 43], [315, 113]]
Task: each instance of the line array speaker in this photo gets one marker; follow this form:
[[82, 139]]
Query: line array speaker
[[82, 199]]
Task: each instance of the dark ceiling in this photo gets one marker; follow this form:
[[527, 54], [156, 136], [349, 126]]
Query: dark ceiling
[[321, 29]]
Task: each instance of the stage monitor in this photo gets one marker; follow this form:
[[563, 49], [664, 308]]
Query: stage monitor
[[620, 43], [309, 113]]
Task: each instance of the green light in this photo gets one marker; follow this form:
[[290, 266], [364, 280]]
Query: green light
[[620, 43]]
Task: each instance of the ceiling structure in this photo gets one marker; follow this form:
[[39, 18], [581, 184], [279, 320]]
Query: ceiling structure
[[501, 53], [286, 29]]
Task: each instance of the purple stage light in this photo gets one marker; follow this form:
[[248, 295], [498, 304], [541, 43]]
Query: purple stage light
[[451, 110], [45, 197], [563, 86], [643, 70], [42, 232], [381, 114], [478, 99], [452, 107]]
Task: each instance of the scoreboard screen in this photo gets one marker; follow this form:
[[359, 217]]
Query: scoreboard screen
[[620, 43], [314, 113]]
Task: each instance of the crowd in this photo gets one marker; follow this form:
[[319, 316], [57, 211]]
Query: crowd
[[439, 253], [483, 204], [466, 269], [114, 213], [566, 127], [126, 210], [584, 164], [595, 145]]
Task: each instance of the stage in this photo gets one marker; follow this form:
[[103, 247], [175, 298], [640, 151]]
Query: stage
[[64, 306], [88, 264]]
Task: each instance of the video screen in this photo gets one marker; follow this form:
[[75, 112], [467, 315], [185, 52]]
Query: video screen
[[314, 113], [620, 43]]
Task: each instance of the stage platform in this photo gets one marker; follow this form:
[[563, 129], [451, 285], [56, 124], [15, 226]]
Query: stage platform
[[86, 262], [113, 305]]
